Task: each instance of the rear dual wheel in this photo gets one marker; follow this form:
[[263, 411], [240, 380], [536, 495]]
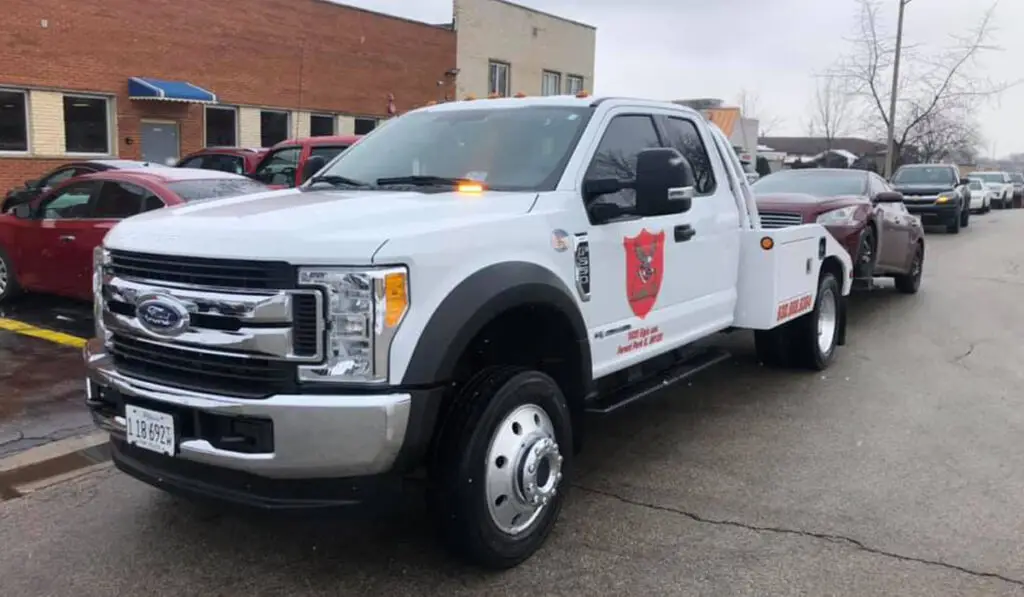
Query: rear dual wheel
[[810, 341]]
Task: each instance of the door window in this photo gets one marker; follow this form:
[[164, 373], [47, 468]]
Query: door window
[[61, 176], [623, 140], [224, 163], [196, 162], [70, 203], [327, 153], [278, 168], [152, 202], [118, 200], [684, 138]]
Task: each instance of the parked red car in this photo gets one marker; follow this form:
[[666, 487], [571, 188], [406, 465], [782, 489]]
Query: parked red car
[[35, 188], [239, 160], [859, 208], [46, 245], [282, 166]]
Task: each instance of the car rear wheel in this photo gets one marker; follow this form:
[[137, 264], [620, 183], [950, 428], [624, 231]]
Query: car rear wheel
[[9, 287], [910, 282]]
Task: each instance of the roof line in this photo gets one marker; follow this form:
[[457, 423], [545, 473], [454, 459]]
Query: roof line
[[547, 14], [339, 4]]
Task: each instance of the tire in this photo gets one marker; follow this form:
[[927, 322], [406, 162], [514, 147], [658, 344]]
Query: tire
[[910, 282], [508, 426], [965, 218], [867, 250], [808, 331], [986, 207], [9, 287], [954, 226]]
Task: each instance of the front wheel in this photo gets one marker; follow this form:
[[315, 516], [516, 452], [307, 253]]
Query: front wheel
[[865, 266], [502, 466], [9, 287], [965, 218]]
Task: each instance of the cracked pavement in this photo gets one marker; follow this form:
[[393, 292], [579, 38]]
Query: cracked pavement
[[896, 472]]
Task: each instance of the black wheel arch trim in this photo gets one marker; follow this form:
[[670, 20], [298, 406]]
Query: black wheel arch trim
[[471, 305], [474, 303]]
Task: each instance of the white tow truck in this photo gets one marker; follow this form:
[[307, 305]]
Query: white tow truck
[[453, 294]]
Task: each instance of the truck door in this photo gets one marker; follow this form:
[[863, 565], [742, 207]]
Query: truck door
[[647, 292]]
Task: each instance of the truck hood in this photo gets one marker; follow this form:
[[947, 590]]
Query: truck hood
[[922, 189], [301, 226]]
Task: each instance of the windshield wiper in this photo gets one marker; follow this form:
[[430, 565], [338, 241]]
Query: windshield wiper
[[339, 181], [425, 181]]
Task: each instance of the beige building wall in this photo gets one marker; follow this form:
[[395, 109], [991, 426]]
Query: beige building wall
[[249, 127], [529, 41]]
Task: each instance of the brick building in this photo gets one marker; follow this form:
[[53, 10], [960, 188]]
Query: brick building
[[505, 48], [128, 78]]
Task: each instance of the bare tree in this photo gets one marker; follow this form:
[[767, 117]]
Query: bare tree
[[946, 135], [749, 103], [831, 115], [933, 86]]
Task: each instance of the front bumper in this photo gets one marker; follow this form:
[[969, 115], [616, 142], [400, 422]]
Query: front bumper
[[931, 213], [314, 436]]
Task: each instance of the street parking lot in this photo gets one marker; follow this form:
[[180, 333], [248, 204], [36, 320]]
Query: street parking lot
[[896, 472]]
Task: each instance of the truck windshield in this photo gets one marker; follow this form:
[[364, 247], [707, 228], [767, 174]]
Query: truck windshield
[[924, 175], [508, 148]]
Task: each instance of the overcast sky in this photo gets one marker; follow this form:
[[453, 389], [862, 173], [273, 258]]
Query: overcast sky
[[717, 48]]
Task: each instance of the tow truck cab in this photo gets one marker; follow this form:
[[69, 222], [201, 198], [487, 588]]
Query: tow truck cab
[[453, 293]]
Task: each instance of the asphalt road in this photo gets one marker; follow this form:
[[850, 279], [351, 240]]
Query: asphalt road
[[898, 472]]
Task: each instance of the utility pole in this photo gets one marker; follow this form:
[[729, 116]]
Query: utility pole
[[890, 137]]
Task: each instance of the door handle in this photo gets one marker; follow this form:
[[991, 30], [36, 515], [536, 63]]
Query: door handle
[[684, 233], [66, 238]]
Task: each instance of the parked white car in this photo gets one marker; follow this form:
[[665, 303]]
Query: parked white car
[[1000, 185], [981, 198]]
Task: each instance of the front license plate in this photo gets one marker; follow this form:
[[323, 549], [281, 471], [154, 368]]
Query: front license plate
[[149, 429]]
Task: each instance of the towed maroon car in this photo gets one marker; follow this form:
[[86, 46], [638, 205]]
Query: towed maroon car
[[859, 209]]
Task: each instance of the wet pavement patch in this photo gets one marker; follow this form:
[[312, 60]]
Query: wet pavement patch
[[23, 480], [73, 318], [42, 393]]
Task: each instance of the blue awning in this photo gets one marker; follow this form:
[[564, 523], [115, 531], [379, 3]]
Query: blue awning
[[144, 88]]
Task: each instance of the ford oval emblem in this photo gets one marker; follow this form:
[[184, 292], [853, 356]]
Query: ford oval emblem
[[163, 315]]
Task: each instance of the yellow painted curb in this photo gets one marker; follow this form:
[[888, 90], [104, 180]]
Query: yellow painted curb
[[32, 331]]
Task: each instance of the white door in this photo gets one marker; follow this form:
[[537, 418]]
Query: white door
[[643, 290]]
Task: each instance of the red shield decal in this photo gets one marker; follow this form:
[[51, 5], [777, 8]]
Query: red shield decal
[[645, 263]]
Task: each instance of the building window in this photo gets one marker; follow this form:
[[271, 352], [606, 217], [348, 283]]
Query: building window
[[321, 125], [274, 127], [498, 79], [573, 84], [13, 121], [551, 83], [221, 127], [363, 126], [86, 125]]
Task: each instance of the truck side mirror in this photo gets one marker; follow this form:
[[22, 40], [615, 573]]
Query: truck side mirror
[[964, 182], [664, 182], [314, 164]]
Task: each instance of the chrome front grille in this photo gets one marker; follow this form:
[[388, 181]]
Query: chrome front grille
[[248, 329], [201, 271], [773, 219]]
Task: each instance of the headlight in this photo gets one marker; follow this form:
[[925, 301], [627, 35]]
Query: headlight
[[943, 199], [363, 312], [841, 216], [100, 260]]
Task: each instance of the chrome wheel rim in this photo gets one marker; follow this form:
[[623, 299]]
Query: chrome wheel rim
[[524, 468], [3, 276], [827, 320], [866, 251], [918, 266]]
